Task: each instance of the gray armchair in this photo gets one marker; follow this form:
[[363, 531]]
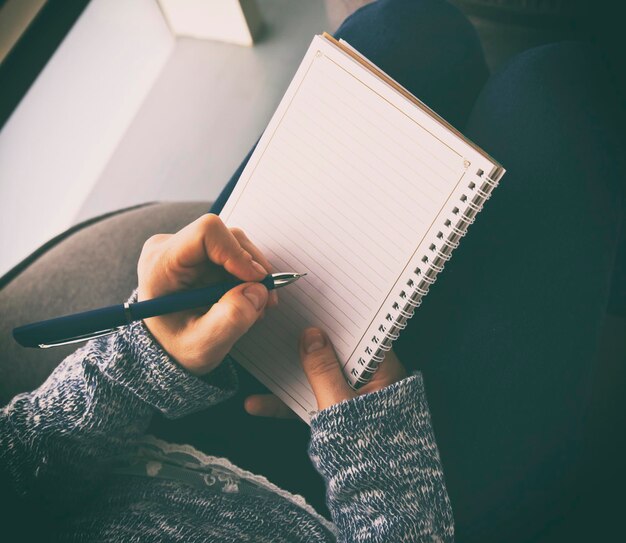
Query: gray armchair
[[91, 265]]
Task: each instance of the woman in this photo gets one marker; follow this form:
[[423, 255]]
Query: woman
[[506, 341], [75, 448]]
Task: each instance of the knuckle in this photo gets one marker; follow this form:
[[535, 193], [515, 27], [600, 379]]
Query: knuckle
[[238, 233], [240, 254], [320, 363], [152, 248], [209, 221], [236, 319], [154, 241]]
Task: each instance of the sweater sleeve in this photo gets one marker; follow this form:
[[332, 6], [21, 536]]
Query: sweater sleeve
[[56, 441], [378, 456]]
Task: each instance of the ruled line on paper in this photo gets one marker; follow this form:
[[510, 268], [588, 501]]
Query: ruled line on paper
[[285, 107], [349, 273], [411, 258], [302, 401], [391, 202], [330, 179], [431, 136], [285, 320], [387, 190], [307, 312], [314, 268], [319, 210], [311, 264], [324, 308], [383, 203], [288, 373], [305, 258], [332, 204], [357, 266], [413, 202], [392, 157], [427, 183], [397, 134], [323, 314]]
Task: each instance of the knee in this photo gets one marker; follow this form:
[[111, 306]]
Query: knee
[[549, 116], [563, 69], [548, 96], [412, 27], [558, 82], [428, 46]]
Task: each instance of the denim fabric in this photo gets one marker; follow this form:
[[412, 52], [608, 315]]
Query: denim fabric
[[508, 336]]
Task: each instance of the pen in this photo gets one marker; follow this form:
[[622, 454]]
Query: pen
[[108, 320]]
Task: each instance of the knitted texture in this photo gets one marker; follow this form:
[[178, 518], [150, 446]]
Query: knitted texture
[[74, 451], [378, 456]]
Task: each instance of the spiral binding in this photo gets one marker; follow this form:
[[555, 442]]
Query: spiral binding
[[426, 275]]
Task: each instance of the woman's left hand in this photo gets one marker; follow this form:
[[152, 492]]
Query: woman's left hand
[[201, 254], [323, 371]]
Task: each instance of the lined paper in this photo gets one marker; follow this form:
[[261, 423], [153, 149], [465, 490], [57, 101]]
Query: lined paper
[[344, 186]]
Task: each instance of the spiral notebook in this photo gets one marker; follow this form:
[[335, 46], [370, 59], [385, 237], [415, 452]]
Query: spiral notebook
[[359, 184]]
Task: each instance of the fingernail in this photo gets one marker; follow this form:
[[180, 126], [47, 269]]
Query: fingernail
[[258, 267], [313, 340], [257, 294]]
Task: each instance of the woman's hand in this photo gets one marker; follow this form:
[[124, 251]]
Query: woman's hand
[[326, 378], [201, 254]]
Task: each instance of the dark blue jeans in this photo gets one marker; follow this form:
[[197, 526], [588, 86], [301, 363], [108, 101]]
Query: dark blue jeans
[[507, 338]]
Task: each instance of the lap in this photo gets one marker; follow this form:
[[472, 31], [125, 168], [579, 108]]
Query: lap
[[508, 337]]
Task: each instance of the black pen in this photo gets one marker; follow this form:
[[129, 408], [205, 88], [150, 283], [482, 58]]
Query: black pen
[[107, 320]]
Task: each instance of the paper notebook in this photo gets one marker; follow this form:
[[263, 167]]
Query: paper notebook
[[359, 184]]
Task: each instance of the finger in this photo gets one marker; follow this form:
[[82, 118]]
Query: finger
[[267, 405], [257, 255], [249, 246], [322, 369], [391, 369], [230, 318], [208, 238]]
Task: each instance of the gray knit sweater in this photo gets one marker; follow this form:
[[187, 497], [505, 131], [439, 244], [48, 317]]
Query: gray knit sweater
[[75, 461]]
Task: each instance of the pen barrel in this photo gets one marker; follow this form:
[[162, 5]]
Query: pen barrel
[[188, 299], [85, 325], [179, 301], [61, 328]]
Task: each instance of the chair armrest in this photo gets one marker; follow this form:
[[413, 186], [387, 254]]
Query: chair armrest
[[91, 265]]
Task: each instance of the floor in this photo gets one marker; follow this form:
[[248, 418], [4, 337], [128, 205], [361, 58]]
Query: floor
[[207, 108]]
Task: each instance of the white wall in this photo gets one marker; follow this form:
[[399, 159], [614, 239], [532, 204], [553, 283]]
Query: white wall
[[56, 144], [124, 113]]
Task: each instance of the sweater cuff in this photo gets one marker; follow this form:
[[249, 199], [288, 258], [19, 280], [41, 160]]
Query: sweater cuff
[[360, 428], [139, 364]]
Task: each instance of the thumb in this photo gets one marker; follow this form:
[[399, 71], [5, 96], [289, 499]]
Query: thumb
[[232, 317], [322, 369]]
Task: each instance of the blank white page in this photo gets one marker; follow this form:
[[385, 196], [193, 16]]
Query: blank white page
[[345, 185]]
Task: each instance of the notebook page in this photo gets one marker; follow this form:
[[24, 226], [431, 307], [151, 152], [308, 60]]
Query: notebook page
[[343, 185]]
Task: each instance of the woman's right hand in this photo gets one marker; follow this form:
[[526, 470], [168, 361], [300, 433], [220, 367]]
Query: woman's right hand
[[325, 377], [203, 253]]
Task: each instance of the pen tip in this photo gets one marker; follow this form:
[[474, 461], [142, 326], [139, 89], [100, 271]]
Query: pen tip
[[300, 275]]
